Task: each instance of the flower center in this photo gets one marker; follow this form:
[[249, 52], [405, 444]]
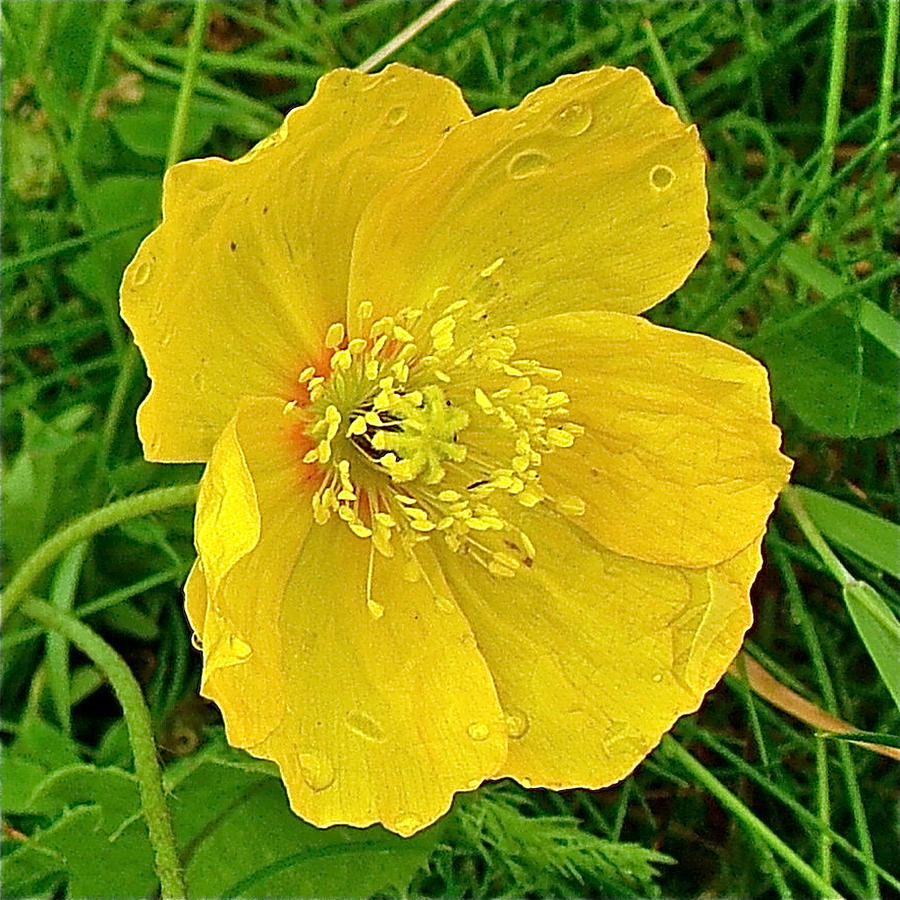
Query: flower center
[[426, 425]]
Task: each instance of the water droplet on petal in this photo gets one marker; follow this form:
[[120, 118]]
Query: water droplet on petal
[[444, 604], [196, 641], [527, 163], [365, 726], [396, 115], [573, 119], [478, 731], [524, 781], [237, 648], [473, 783], [141, 274], [317, 770], [657, 678], [661, 178], [517, 723]]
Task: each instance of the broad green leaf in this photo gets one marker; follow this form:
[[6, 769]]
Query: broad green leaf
[[40, 484], [19, 777], [106, 850], [236, 835], [115, 201], [873, 538], [881, 325], [44, 745], [835, 376], [879, 629], [279, 855], [838, 368], [145, 127]]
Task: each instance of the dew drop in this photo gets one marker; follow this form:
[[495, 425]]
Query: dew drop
[[473, 783], [657, 678], [478, 731], [527, 163], [396, 115], [141, 274], [524, 781], [196, 641], [573, 119], [517, 723], [365, 726], [444, 604], [317, 770], [661, 178], [237, 648]]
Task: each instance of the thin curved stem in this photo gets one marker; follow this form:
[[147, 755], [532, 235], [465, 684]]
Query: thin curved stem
[[86, 527], [140, 733], [188, 80], [672, 749]]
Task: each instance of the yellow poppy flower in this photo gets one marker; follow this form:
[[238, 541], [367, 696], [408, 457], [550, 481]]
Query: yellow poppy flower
[[464, 514]]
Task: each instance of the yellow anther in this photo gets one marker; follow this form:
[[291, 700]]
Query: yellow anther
[[334, 336], [357, 426], [448, 496], [383, 327], [357, 346], [411, 313], [570, 504], [289, 407], [359, 529], [311, 455], [306, 374], [442, 325], [372, 368], [341, 359], [401, 334], [482, 400], [422, 525], [487, 272], [315, 382], [364, 310], [372, 418], [557, 437], [557, 398]]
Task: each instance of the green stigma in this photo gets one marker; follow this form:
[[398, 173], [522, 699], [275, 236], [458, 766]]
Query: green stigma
[[414, 435]]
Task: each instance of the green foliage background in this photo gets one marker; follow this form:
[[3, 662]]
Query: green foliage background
[[796, 101]]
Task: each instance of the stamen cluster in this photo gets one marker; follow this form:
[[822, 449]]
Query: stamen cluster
[[427, 424]]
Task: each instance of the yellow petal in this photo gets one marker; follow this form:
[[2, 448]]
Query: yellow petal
[[233, 293], [589, 195], [195, 598], [390, 707], [680, 462], [252, 517], [595, 655]]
